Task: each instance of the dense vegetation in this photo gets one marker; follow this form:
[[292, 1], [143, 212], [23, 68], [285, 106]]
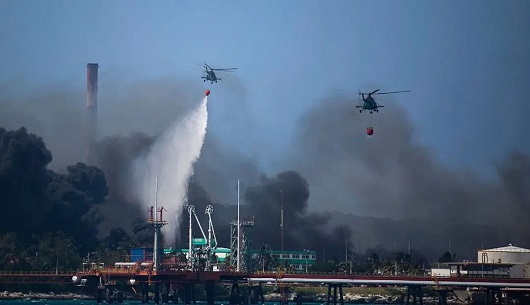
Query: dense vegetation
[[49, 220]]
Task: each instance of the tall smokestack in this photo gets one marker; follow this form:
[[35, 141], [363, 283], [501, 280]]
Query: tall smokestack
[[92, 107]]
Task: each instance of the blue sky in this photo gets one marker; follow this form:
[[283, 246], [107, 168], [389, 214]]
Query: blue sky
[[466, 62]]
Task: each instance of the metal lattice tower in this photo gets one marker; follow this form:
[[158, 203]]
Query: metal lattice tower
[[202, 254], [246, 230], [157, 224]]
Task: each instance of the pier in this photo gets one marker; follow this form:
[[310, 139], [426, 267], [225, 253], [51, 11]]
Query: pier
[[170, 286]]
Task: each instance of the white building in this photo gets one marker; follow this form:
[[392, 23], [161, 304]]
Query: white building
[[440, 270], [520, 257]]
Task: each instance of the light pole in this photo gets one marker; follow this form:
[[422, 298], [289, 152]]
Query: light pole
[[306, 258]]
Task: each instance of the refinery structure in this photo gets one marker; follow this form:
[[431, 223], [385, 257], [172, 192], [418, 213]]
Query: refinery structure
[[206, 262], [204, 253]]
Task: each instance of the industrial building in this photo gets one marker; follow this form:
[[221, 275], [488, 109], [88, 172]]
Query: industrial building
[[519, 257], [471, 269], [294, 261], [220, 253], [298, 261], [509, 261]]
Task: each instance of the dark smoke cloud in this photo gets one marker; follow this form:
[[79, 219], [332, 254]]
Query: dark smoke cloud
[[58, 111], [55, 113], [130, 115], [301, 228], [23, 180], [115, 154], [383, 191], [219, 167], [37, 200], [391, 175]]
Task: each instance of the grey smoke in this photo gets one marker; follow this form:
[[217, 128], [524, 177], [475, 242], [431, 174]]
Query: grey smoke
[[388, 189], [391, 175]]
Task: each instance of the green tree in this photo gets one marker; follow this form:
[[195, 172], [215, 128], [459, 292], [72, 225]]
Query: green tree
[[329, 266], [55, 250], [116, 247], [11, 254], [446, 257]]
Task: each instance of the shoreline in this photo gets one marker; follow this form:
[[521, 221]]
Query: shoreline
[[272, 297], [6, 295]]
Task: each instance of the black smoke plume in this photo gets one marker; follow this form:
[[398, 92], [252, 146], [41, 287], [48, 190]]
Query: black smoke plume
[[385, 191], [397, 181], [37, 200], [302, 229], [115, 154]]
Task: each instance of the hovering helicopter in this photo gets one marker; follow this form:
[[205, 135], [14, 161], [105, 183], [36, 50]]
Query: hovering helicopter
[[369, 102], [210, 74]]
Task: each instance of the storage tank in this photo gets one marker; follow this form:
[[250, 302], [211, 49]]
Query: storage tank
[[509, 254]]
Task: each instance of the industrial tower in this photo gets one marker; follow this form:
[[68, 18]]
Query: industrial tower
[[157, 224], [92, 107], [246, 232], [200, 258]]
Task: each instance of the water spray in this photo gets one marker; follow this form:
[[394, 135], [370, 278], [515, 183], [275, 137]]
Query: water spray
[[171, 159]]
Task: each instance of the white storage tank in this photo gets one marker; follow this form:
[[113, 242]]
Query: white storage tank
[[510, 254]]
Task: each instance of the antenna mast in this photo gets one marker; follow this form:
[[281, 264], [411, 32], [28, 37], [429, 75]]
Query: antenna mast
[[191, 210], [238, 231], [281, 220], [156, 224]]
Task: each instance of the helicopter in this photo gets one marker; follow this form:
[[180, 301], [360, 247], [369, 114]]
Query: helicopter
[[210, 74], [369, 102]]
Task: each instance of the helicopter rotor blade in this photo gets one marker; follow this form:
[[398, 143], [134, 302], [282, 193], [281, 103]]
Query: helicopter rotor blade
[[227, 69], [373, 92], [344, 90], [393, 92]]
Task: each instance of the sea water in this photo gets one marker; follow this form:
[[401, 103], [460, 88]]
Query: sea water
[[125, 302]]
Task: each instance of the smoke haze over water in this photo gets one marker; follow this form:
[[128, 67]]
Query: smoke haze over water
[[171, 159]]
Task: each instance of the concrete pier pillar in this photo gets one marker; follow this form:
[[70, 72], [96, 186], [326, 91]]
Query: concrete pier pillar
[[189, 294], [234, 294], [340, 297], [175, 295], [164, 293], [157, 293], [100, 291], [210, 292], [260, 293], [119, 297], [442, 297], [145, 294], [416, 293]]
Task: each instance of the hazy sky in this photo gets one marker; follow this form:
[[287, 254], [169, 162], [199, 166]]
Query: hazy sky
[[466, 62]]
